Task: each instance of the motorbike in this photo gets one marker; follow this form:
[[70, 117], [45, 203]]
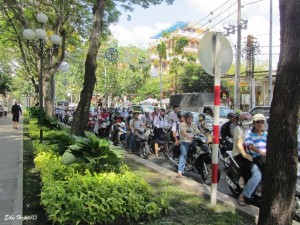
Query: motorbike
[[236, 185], [224, 147], [141, 142], [118, 133], [103, 131], [199, 159], [164, 143]]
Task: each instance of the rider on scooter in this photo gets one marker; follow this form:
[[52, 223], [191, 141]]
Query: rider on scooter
[[225, 130], [187, 131], [256, 144], [239, 150]]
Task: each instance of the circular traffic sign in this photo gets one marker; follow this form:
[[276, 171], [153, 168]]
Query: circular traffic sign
[[206, 53]]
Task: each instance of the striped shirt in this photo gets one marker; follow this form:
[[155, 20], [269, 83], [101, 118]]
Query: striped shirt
[[257, 141]]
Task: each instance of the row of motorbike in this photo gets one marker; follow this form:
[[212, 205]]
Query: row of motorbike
[[64, 115], [199, 158]]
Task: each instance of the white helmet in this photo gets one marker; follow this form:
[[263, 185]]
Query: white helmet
[[259, 117]]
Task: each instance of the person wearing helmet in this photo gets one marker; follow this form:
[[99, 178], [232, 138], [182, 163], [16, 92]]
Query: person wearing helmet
[[160, 121], [238, 151], [201, 125], [134, 124], [175, 134], [226, 135], [187, 131], [127, 120], [255, 142]]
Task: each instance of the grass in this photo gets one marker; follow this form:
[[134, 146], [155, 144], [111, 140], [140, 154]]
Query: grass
[[186, 208]]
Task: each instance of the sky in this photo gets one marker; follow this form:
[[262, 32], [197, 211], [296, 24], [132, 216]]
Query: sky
[[145, 23]]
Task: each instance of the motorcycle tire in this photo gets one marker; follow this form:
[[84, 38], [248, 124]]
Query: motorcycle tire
[[235, 193], [206, 171], [144, 151], [169, 150]]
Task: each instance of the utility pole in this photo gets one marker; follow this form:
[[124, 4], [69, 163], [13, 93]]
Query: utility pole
[[251, 49], [237, 94], [270, 54]]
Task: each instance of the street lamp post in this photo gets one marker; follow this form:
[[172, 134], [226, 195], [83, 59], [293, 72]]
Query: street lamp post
[[41, 35]]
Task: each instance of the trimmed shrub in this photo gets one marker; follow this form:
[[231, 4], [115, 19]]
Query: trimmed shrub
[[104, 198]]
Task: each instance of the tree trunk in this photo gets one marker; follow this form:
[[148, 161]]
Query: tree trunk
[[281, 162], [82, 112], [48, 94]]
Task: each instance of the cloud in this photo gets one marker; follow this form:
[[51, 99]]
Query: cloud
[[137, 36]]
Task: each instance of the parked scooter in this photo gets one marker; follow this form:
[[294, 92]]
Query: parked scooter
[[198, 159]]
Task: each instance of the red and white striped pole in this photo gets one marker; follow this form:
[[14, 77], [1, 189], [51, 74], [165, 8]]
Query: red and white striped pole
[[217, 75]]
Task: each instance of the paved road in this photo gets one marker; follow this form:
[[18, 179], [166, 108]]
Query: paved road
[[222, 185], [11, 172]]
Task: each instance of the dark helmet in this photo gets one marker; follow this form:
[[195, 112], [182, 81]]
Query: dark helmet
[[230, 115], [188, 114], [180, 114], [202, 115]]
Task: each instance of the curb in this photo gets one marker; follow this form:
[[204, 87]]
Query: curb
[[203, 190]]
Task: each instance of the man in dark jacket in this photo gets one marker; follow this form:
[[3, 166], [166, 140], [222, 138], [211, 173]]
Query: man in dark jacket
[[225, 130], [16, 111]]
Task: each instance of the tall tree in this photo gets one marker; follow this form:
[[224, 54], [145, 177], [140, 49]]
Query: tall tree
[[281, 161], [5, 84], [105, 12], [195, 79]]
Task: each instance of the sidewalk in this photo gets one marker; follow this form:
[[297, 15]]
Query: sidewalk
[[11, 172]]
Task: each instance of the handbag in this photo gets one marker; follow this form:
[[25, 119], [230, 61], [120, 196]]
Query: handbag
[[260, 161]]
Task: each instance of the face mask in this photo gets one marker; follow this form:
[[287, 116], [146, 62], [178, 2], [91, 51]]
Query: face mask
[[245, 126], [131, 115]]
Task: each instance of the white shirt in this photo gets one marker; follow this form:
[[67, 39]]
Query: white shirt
[[160, 121]]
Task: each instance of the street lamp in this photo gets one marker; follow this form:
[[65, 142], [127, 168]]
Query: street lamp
[[41, 35]]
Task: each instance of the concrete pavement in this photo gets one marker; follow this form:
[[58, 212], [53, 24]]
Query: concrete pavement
[[11, 172]]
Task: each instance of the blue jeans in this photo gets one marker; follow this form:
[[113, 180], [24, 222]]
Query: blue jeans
[[253, 181], [184, 147], [131, 141]]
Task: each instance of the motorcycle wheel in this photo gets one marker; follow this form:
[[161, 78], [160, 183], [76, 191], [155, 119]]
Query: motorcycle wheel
[[144, 151], [236, 193], [204, 168], [169, 150], [296, 211]]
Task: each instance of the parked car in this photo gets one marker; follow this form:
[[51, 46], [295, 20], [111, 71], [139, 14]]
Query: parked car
[[265, 110], [142, 108], [224, 110]]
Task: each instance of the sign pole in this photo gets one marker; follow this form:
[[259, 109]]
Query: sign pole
[[217, 75], [215, 56]]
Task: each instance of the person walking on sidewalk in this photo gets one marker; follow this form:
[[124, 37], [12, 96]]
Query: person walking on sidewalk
[[5, 110], [16, 111]]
